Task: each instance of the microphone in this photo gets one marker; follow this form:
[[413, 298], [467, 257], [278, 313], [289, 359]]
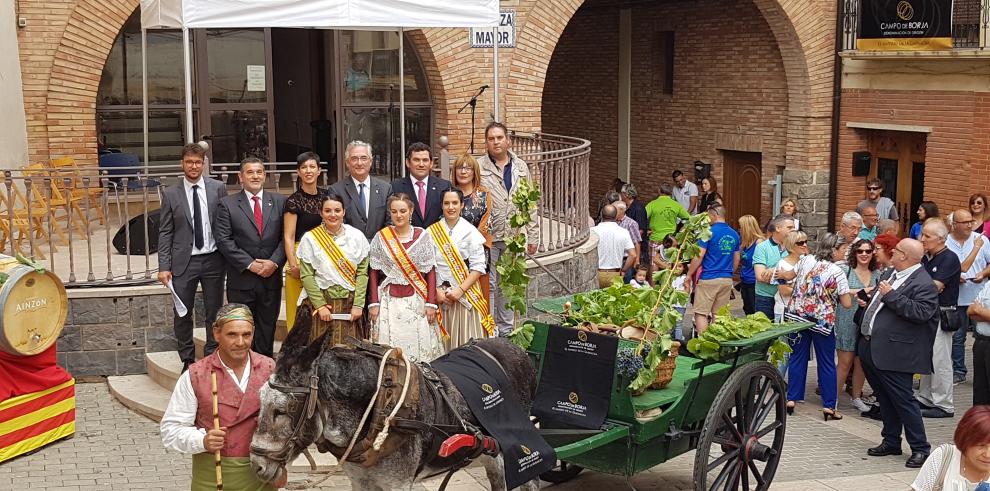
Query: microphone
[[482, 89]]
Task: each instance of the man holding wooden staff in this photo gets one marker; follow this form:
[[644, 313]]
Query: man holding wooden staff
[[188, 423]]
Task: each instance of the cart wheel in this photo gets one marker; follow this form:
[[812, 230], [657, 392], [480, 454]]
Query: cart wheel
[[562, 473], [741, 442]]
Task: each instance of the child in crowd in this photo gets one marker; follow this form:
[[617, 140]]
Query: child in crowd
[[640, 279], [679, 284]]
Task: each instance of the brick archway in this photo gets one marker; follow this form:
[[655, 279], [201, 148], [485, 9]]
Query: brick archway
[[797, 27], [69, 127]]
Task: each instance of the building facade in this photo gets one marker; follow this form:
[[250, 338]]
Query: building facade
[[742, 85]]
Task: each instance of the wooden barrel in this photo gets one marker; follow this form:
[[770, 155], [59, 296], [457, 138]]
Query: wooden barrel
[[33, 308]]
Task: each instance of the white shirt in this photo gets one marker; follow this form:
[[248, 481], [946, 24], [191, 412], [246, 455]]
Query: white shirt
[[470, 245], [983, 298], [613, 244], [683, 195], [901, 277], [209, 245], [178, 426], [367, 192], [969, 290]]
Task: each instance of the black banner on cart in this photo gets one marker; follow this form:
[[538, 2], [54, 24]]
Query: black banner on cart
[[576, 381], [905, 25]]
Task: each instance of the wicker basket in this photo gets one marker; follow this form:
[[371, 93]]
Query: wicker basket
[[665, 370]]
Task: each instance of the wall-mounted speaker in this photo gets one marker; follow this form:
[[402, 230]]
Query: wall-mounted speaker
[[861, 163]]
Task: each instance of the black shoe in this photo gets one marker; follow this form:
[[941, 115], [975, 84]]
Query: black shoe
[[883, 450], [873, 413], [923, 406], [936, 412], [916, 460]]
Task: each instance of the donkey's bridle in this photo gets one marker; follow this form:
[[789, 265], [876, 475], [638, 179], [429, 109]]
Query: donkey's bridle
[[312, 402]]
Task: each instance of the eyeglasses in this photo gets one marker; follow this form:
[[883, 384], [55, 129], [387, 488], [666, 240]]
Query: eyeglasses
[[898, 250], [801, 242], [870, 216], [464, 167], [873, 188], [864, 251], [362, 158]]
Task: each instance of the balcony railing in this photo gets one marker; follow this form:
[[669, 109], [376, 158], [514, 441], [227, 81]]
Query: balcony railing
[[66, 217], [970, 24]]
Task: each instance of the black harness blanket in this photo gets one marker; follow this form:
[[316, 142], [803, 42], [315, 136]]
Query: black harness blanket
[[486, 389]]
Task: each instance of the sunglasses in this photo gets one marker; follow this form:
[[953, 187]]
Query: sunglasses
[[801, 242], [873, 188], [864, 251]]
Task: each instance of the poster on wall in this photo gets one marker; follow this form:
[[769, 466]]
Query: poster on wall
[[905, 25]]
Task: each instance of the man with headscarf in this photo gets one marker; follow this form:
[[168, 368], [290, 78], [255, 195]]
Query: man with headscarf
[[187, 425]]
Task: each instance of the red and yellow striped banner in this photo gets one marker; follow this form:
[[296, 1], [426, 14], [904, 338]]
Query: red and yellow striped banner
[[36, 419]]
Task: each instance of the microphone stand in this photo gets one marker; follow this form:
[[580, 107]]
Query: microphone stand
[[474, 104]]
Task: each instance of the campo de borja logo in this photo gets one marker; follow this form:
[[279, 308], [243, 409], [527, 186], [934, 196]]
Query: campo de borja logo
[[905, 10]]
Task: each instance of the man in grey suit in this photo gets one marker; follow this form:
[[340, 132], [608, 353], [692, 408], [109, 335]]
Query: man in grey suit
[[249, 234], [187, 251], [896, 337], [364, 196]]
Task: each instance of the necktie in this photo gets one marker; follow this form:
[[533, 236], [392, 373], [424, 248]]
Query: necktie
[[197, 218], [361, 206], [421, 196], [871, 310], [257, 213]]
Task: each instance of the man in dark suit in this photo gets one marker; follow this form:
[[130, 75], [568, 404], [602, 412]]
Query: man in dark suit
[[897, 333], [425, 190], [249, 234], [364, 196], [187, 251]]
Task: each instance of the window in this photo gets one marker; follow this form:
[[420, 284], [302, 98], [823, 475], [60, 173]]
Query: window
[[664, 62]]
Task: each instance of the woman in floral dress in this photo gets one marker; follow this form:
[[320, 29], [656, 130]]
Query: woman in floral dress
[[819, 286]]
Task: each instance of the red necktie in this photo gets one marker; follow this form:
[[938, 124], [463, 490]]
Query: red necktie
[[257, 213]]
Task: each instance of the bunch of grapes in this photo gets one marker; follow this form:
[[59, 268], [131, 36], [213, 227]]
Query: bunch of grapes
[[646, 350], [628, 364]]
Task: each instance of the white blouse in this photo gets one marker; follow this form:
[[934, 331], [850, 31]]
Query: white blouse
[[954, 481]]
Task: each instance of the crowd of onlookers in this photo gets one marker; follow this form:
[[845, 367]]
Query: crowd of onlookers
[[889, 310]]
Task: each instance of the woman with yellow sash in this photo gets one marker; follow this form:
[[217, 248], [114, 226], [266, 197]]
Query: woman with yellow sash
[[460, 255], [403, 308], [333, 267], [302, 214]]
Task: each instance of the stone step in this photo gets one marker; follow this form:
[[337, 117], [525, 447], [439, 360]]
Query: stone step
[[164, 367], [141, 394], [199, 339]]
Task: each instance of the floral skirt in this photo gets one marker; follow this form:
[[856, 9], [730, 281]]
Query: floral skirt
[[402, 324]]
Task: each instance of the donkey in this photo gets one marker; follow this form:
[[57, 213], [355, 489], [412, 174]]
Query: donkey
[[347, 380]]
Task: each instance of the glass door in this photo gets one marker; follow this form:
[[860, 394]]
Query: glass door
[[236, 105]]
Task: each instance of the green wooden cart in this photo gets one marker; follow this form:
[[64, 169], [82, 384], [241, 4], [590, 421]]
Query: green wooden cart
[[731, 410]]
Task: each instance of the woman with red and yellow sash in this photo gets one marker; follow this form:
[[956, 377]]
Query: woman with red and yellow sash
[[333, 268], [403, 308], [460, 253]]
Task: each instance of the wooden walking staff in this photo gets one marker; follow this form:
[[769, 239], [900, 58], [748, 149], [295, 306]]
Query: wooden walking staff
[[216, 426]]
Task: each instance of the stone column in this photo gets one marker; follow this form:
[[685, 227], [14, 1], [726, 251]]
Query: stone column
[[810, 189]]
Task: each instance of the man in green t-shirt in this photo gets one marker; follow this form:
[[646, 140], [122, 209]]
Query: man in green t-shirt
[[663, 214]]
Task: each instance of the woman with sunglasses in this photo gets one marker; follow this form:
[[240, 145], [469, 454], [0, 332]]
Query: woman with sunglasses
[[963, 465], [796, 245], [978, 208], [819, 286], [861, 274]]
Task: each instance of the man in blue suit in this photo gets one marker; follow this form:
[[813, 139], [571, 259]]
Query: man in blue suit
[[896, 338], [425, 190]]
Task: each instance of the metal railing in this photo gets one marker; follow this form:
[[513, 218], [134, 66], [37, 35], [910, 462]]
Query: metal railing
[[67, 217], [970, 24], [559, 165]]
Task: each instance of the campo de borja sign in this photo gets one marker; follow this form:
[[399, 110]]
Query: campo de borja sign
[[905, 25]]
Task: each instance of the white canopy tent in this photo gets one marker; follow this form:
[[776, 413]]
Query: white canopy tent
[[318, 14]]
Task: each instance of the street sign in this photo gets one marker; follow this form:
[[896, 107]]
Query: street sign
[[485, 37]]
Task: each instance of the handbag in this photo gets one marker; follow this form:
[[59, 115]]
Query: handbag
[[944, 467], [947, 322]]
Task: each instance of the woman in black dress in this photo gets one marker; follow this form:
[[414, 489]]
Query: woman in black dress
[[302, 214]]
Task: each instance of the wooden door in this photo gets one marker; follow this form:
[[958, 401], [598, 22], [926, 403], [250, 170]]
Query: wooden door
[[742, 185], [899, 162]]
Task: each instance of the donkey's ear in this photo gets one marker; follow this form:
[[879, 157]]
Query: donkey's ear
[[302, 326]]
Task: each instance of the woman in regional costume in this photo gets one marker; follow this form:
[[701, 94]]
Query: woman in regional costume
[[403, 308], [333, 267], [460, 256], [302, 214]]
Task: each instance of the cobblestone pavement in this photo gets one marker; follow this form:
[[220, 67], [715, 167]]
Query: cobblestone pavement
[[117, 449]]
